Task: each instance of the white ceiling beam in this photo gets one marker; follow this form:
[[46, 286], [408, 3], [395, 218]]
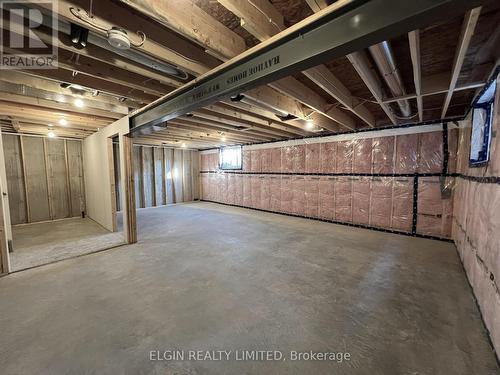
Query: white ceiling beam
[[361, 64], [468, 27]]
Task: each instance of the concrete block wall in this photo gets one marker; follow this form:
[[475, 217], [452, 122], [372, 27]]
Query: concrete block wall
[[476, 223], [366, 179]]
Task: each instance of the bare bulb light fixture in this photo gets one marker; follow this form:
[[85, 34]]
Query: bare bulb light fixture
[[79, 103], [63, 122]]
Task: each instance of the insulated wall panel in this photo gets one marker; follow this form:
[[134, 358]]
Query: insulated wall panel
[[187, 176], [58, 178], [312, 196], [402, 204], [275, 193], [287, 159], [430, 152], [15, 179], [343, 199], [255, 186], [255, 161], [159, 173], [286, 193], [265, 160], [326, 198], [299, 158], [383, 155], [313, 158], [275, 159], [246, 160], [76, 183], [328, 157], [381, 202], [362, 156], [299, 195], [361, 201], [36, 179], [177, 174], [168, 155], [265, 193], [231, 189], [148, 177], [406, 153], [344, 156], [247, 191], [238, 189]]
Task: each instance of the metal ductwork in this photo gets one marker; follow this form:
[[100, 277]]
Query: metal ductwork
[[384, 59]]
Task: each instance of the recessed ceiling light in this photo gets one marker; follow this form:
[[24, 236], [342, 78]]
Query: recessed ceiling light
[[51, 134], [79, 103], [63, 122]]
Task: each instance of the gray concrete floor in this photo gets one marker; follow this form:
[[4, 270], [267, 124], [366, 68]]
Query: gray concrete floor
[[41, 243], [209, 277]]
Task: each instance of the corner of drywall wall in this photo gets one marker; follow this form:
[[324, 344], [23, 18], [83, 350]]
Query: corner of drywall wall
[[96, 172]]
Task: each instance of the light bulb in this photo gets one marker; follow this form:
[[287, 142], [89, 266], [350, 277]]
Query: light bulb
[[63, 122]]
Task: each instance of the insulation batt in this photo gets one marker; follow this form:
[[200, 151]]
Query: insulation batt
[[384, 202]]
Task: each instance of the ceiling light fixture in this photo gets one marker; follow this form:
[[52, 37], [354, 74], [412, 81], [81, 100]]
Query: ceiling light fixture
[[223, 138], [309, 125], [63, 122], [79, 103], [51, 134], [183, 145]]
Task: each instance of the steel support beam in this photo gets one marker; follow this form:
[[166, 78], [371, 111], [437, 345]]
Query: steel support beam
[[340, 29]]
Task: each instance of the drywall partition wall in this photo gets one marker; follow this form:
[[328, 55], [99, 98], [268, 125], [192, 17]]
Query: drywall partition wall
[[165, 175], [387, 179], [44, 177], [476, 224], [97, 169]]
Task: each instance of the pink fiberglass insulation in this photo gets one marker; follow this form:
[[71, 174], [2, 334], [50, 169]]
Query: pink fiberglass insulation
[[343, 199], [402, 204], [299, 158], [238, 189], [265, 160], [231, 189], [299, 195], [406, 153], [247, 191], [265, 193], [381, 202], [246, 162], [214, 161], [328, 153], [344, 156], [312, 196], [275, 193], [452, 150], [312, 158], [223, 187], [362, 156], [275, 159], [430, 154], [255, 160], [255, 186], [327, 198], [287, 159], [361, 200], [204, 162], [213, 187], [286, 194], [432, 217], [204, 186], [383, 155]]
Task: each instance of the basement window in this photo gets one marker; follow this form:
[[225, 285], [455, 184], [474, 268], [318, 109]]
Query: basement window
[[482, 118], [230, 157]]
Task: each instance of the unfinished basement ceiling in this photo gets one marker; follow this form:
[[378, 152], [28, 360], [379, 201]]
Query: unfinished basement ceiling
[[110, 83]]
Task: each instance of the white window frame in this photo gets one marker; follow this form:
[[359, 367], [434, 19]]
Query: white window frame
[[239, 158]]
